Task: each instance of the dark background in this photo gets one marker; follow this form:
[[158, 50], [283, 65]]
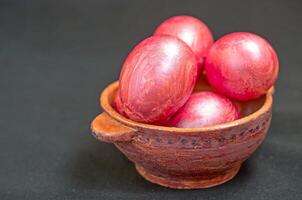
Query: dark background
[[56, 57]]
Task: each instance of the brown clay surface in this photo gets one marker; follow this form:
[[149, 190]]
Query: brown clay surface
[[185, 158]]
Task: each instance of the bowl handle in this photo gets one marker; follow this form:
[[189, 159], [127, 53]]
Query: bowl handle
[[107, 129]]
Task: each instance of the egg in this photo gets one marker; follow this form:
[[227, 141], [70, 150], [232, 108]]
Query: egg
[[192, 31], [205, 109], [157, 78], [242, 66]]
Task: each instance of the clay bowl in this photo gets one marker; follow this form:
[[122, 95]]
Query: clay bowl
[[185, 158]]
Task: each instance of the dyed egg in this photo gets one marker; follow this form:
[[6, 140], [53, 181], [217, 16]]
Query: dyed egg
[[157, 79], [242, 66], [192, 31], [118, 105], [205, 109]]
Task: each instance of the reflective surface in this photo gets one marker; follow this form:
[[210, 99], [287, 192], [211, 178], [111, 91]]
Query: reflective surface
[[204, 109], [192, 31], [157, 78], [242, 66]]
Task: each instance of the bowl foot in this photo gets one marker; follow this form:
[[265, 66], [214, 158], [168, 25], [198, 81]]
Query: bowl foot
[[177, 183]]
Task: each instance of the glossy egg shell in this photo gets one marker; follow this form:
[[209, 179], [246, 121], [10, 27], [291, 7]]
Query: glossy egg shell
[[205, 109], [242, 66], [157, 79], [192, 31]]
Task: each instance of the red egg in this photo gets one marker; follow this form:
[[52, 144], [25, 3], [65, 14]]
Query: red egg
[[192, 31], [205, 109], [118, 105], [242, 66], [157, 79]]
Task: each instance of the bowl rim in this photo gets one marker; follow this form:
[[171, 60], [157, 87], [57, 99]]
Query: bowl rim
[[105, 104]]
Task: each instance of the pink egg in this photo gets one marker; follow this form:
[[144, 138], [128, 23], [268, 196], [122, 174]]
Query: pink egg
[[157, 79], [192, 31], [205, 109], [242, 66], [118, 105]]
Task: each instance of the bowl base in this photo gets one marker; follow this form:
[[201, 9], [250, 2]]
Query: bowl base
[[187, 184]]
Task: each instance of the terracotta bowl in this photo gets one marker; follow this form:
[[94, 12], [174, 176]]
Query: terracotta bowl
[[185, 158]]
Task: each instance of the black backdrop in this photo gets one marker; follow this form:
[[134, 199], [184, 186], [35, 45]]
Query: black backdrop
[[56, 57]]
